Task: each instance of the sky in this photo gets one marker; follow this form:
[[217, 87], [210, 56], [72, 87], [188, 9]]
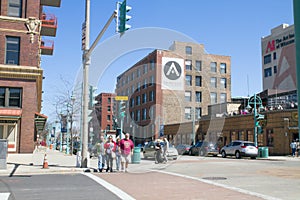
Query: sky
[[226, 27]]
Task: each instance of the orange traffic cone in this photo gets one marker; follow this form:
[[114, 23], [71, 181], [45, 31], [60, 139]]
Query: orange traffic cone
[[45, 164]]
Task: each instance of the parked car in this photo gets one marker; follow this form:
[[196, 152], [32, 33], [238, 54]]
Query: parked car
[[239, 148], [183, 149], [149, 151], [204, 148]]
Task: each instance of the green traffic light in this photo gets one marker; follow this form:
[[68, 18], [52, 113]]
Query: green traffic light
[[123, 18]]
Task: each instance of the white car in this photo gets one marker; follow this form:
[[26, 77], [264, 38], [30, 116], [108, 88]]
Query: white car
[[240, 148]]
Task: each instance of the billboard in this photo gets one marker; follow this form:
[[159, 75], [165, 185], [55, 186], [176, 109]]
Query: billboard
[[172, 73]]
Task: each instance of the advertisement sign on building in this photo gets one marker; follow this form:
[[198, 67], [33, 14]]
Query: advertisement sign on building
[[172, 73]]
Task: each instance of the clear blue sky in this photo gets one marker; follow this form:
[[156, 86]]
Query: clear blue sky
[[225, 27]]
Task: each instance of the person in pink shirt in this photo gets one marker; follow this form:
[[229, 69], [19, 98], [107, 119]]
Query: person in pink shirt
[[126, 146]]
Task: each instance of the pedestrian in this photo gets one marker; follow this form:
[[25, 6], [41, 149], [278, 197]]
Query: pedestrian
[[126, 146], [118, 154], [293, 145], [158, 152], [110, 148], [165, 149], [297, 147], [101, 153]]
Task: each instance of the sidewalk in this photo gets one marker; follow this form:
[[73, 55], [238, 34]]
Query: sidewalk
[[58, 162]]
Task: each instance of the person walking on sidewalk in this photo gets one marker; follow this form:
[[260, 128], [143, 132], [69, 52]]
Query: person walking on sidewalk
[[101, 153], [110, 148], [293, 146], [118, 154], [126, 146], [166, 149]]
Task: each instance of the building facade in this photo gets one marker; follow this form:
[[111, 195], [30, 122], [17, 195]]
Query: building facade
[[279, 59], [173, 86], [22, 25]]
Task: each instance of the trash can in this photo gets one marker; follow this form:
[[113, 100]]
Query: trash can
[[263, 152], [136, 158], [3, 154]]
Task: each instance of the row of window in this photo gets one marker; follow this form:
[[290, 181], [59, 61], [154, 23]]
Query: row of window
[[144, 98], [268, 58], [10, 97], [198, 81], [188, 96], [214, 99], [268, 71], [146, 83], [188, 113], [198, 66]]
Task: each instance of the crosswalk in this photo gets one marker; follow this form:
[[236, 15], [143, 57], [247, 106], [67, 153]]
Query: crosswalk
[[4, 196]]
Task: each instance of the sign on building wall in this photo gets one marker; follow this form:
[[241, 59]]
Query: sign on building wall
[[172, 73]]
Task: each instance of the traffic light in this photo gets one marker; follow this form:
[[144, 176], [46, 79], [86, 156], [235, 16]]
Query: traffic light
[[123, 18], [118, 132], [92, 96], [122, 109]]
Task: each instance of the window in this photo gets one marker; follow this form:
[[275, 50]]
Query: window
[[268, 72], [138, 115], [15, 8], [151, 81], [198, 96], [10, 97], [187, 112], [188, 96], [108, 118], [144, 116], [109, 100], [223, 98], [270, 138], [132, 76], [223, 68], [275, 69], [274, 56], [138, 73], [188, 80], [145, 84], [198, 113], [132, 115], [108, 108], [213, 82], [213, 67], [152, 65], [198, 81], [138, 86], [108, 127], [198, 65], [188, 50], [213, 97], [145, 68], [132, 102], [223, 83], [12, 50], [188, 65], [138, 100], [151, 96], [144, 100], [132, 89], [267, 59], [8, 131]]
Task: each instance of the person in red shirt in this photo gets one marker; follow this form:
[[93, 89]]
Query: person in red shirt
[[110, 148], [126, 146]]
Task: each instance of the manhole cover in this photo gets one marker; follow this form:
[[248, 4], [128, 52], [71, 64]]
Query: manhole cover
[[214, 178]]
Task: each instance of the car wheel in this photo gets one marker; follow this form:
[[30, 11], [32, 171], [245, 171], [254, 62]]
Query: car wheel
[[237, 155], [190, 152], [253, 157], [223, 154]]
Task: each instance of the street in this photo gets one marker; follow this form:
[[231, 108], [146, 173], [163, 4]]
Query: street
[[190, 177]]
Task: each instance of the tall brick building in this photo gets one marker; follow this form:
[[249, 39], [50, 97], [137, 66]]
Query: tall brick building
[[22, 27], [173, 86]]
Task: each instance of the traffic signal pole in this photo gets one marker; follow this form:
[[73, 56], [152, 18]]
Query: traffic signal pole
[[86, 63]]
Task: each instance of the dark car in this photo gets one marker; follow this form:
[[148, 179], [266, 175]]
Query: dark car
[[183, 149], [204, 148]]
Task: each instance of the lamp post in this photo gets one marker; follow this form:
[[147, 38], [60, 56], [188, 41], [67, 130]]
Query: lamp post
[[193, 126], [255, 101]]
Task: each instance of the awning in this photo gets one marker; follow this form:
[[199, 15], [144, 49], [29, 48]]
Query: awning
[[10, 113], [40, 121]]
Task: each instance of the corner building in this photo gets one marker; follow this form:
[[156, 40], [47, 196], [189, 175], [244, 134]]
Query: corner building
[[22, 25], [172, 86]]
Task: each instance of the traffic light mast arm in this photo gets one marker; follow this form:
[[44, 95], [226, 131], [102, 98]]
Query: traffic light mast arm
[[90, 50]]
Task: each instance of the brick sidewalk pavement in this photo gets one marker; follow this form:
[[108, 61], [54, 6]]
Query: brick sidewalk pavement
[[155, 185]]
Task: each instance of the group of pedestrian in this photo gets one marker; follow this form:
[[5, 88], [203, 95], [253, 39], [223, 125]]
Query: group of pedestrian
[[119, 151], [295, 146]]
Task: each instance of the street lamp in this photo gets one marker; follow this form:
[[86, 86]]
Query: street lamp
[[255, 101]]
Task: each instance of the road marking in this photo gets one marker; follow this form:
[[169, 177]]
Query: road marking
[[221, 185], [109, 187], [4, 196]]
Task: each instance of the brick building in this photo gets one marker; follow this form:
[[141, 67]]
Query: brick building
[[22, 25], [171, 86]]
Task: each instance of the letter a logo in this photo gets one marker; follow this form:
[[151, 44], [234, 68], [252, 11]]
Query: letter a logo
[[271, 46]]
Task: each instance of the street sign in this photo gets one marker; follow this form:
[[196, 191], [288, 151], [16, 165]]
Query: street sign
[[121, 98]]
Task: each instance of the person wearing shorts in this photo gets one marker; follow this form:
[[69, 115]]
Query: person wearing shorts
[[126, 146]]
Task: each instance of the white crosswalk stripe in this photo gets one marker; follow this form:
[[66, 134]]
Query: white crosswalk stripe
[[4, 196]]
